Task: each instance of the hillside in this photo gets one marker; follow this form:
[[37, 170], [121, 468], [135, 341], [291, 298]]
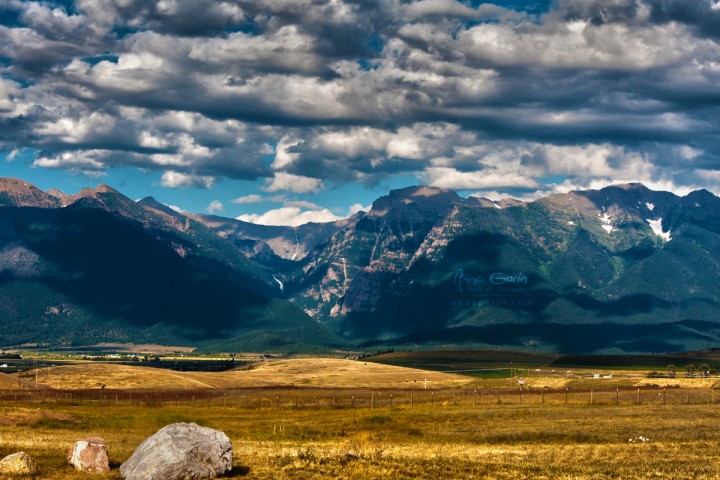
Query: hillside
[[315, 372], [621, 269], [99, 267]]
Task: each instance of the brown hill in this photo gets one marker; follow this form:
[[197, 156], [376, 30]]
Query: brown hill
[[317, 372]]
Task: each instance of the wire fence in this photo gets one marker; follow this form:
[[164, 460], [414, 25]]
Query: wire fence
[[308, 398]]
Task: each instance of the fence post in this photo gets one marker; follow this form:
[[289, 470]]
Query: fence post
[[617, 397], [664, 399], [475, 397], [372, 401], [591, 396], [566, 395]]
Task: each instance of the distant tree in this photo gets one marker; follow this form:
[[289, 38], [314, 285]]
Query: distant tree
[[704, 370], [690, 370], [671, 369]]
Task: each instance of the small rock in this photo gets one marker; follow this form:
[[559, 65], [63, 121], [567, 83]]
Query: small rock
[[19, 463], [90, 455], [180, 451]]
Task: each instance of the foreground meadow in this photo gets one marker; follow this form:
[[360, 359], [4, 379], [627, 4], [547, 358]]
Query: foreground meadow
[[441, 440]]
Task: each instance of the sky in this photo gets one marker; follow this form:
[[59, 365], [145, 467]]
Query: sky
[[288, 111]]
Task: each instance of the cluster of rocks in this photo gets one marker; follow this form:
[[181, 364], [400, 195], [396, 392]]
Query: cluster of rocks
[[180, 450]]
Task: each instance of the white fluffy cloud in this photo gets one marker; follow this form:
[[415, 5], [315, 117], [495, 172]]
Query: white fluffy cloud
[[303, 94], [172, 179], [291, 216], [288, 182], [357, 207], [248, 199], [215, 207]]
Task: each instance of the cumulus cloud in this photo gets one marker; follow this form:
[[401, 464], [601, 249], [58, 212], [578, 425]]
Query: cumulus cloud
[[290, 216], [247, 199], [357, 207], [304, 94], [172, 179], [215, 207], [288, 182]]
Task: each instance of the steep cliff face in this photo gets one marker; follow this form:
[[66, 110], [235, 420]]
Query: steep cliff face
[[620, 258], [359, 262]]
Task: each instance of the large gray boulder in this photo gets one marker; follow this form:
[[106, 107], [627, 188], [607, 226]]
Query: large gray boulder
[[180, 451]]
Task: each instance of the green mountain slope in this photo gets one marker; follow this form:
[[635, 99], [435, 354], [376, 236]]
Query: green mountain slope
[[105, 269]]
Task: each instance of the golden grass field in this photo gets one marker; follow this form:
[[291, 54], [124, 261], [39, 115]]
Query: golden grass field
[[316, 372], [343, 419], [492, 441]]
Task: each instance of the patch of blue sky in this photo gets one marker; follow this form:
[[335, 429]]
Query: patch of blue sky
[[553, 179], [94, 60], [535, 7], [67, 5], [248, 27], [10, 17], [367, 65], [19, 164]]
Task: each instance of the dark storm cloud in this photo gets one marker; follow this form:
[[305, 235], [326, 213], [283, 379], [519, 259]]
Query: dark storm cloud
[[702, 15], [463, 95]]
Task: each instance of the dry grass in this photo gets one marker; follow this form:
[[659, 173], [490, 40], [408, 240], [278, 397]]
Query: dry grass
[[500, 441], [8, 381], [449, 432], [325, 372]]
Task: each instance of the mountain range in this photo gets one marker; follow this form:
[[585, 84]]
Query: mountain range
[[621, 269]]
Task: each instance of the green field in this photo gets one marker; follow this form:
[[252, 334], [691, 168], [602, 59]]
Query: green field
[[507, 363]]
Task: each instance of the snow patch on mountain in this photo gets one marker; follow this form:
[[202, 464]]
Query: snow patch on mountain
[[656, 226], [607, 222]]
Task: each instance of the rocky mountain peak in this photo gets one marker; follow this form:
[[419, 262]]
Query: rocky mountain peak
[[629, 186], [421, 199], [102, 188], [18, 193], [150, 202]]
